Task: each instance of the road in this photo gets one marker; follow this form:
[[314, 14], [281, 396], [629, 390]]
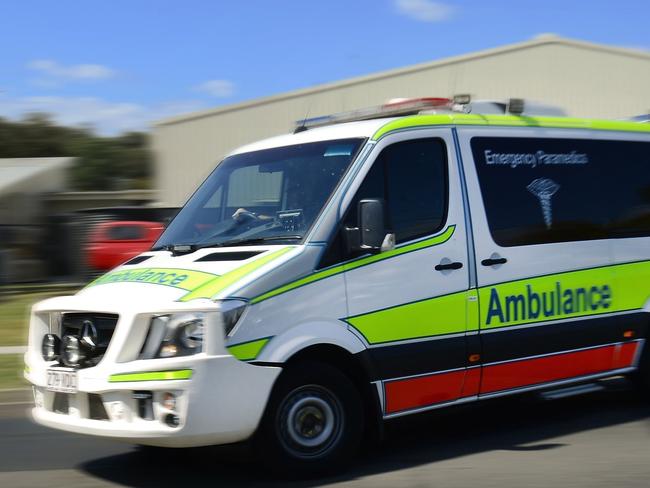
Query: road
[[598, 440]]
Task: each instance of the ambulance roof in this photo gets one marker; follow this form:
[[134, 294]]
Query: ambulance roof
[[375, 129]]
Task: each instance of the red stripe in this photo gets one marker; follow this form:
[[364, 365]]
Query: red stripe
[[625, 354], [435, 388], [472, 382], [423, 390], [557, 367]]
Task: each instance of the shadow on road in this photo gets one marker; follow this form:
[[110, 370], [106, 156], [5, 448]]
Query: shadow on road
[[516, 424]]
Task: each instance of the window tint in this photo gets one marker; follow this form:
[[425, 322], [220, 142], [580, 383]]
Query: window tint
[[631, 195], [411, 177], [416, 187], [556, 190], [126, 233]]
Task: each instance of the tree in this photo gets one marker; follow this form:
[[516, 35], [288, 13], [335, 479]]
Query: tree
[[103, 163]]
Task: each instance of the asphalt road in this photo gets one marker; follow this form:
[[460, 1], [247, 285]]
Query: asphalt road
[[597, 440]]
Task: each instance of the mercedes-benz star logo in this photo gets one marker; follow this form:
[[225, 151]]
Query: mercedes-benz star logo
[[89, 333]]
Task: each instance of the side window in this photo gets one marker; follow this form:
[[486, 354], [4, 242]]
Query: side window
[[126, 233], [539, 191], [411, 177], [416, 174], [631, 193]]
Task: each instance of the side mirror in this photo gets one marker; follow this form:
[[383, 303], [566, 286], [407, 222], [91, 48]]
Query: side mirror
[[371, 234]]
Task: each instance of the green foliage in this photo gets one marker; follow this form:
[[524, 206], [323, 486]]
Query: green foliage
[[14, 315], [11, 371], [104, 163]]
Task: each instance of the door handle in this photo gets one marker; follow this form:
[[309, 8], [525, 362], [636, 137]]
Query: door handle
[[494, 261], [446, 266]]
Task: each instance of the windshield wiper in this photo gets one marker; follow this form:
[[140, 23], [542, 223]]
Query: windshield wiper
[[179, 249], [249, 241]]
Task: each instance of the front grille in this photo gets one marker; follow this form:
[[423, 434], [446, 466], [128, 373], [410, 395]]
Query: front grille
[[72, 324]]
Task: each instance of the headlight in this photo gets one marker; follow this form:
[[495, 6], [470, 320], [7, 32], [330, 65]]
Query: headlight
[[192, 334], [71, 351], [50, 347], [174, 335], [182, 334]]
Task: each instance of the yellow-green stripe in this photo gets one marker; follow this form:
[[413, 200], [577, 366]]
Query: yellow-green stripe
[[508, 120], [456, 313], [433, 241], [425, 318], [185, 279], [247, 351], [624, 281], [211, 288], [179, 374]]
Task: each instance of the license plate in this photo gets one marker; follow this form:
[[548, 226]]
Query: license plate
[[62, 380]]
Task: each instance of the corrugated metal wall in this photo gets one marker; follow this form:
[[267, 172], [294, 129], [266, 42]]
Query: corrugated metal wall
[[587, 80]]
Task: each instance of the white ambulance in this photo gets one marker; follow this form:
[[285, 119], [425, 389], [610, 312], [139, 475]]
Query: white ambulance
[[371, 265]]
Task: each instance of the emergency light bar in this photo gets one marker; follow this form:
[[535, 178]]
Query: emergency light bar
[[393, 108], [412, 106]]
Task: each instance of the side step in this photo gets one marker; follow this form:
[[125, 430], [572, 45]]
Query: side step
[[571, 391]]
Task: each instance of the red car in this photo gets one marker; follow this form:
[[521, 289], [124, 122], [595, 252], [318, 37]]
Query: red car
[[112, 243]]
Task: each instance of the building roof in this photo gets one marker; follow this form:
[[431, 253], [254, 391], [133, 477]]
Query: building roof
[[19, 174], [544, 39]]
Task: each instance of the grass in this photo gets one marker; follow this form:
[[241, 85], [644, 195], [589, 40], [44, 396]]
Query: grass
[[14, 312], [14, 322], [11, 371], [14, 317]]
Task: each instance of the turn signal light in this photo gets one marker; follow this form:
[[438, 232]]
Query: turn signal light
[[628, 334]]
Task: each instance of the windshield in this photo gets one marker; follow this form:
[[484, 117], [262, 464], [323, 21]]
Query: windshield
[[269, 195]]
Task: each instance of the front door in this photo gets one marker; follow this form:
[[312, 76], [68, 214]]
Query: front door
[[410, 304]]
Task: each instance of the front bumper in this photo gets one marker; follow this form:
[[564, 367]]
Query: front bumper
[[222, 402]]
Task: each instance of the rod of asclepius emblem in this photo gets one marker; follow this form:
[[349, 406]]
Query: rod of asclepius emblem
[[544, 189]]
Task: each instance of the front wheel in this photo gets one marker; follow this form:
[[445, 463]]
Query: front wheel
[[313, 422]]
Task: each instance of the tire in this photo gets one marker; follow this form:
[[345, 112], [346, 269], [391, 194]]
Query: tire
[[313, 422]]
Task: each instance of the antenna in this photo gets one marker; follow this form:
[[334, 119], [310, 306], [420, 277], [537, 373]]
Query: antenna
[[302, 127]]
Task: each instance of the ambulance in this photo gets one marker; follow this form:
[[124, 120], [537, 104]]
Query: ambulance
[[380, 263]]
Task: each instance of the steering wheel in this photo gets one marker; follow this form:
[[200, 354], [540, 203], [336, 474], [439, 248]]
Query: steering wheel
[[241, 215]]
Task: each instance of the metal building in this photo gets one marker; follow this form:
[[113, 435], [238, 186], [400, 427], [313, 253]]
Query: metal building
[[587, 80]]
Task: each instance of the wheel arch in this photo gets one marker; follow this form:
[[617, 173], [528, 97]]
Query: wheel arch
[[333, 344], [357, 369]]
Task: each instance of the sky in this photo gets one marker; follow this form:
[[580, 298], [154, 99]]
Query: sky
[[118, 65]]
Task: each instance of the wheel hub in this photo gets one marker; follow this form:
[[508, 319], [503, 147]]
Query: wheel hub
[[310, 420]]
